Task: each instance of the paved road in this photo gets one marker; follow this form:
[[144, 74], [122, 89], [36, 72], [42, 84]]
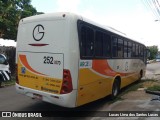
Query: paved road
[[154, 67], [153, 71], [11, 101]]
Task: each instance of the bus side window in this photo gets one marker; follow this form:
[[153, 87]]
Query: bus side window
[[83, 41], [125, 49], [114, 47], [129, 49], [103, 44], [87, 41], [120, 48], [134, 50], [137, 51], [99, 44], [106, 45], [142, 51]]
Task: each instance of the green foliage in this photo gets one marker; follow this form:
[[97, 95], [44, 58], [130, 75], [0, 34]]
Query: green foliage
[[11, 11], [10, 82], [153, 51], [154, 88]]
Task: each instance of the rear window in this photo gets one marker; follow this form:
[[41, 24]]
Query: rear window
[[2, 59]]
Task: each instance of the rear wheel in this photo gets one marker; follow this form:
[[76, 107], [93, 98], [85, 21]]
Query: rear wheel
[[115, 88]]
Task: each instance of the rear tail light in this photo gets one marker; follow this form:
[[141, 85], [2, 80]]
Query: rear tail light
[[67, 82], [17, 81]]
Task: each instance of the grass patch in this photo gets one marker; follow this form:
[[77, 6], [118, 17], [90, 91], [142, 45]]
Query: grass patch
[[135, 86], [154, 88], [10, 82], [132, 87]]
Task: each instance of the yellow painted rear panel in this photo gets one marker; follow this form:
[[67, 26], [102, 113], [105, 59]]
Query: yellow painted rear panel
[[37, 82], [92, 86]]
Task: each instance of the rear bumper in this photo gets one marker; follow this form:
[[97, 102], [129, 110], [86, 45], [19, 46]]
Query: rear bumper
[[65, 100]]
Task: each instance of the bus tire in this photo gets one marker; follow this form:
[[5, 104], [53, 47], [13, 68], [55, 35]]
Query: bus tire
[[115, 88]]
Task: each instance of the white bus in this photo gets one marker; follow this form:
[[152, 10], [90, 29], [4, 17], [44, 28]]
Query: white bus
[[68, 60]]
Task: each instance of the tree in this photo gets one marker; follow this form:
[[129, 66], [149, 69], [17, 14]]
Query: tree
[[153, 51], [11, 11]]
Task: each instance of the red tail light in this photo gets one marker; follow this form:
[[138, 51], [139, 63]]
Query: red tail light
[[67, 82], [17, 81]]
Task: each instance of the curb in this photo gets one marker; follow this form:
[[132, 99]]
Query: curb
[[153, 92]]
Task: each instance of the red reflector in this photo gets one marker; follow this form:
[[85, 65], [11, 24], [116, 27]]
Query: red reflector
[[38, 45], [67, 82]]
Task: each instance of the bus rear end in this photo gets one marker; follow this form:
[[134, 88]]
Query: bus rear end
[[43, 59]]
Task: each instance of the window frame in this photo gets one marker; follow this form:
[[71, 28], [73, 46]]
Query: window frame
[[94, 28], [112, 35]]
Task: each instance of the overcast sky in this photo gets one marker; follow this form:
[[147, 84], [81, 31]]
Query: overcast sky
[[129, 16]]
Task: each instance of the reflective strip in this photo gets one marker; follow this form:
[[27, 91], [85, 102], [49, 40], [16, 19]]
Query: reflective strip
[[2, 75], [7, 76]]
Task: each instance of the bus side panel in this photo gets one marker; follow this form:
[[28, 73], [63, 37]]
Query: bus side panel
[[96, 77], [129, 79], [127, 69], [94, 83], [92, 86]]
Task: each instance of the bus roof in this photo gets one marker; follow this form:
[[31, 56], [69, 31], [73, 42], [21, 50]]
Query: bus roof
[[111, 29], [64, 15], [49, 17]]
